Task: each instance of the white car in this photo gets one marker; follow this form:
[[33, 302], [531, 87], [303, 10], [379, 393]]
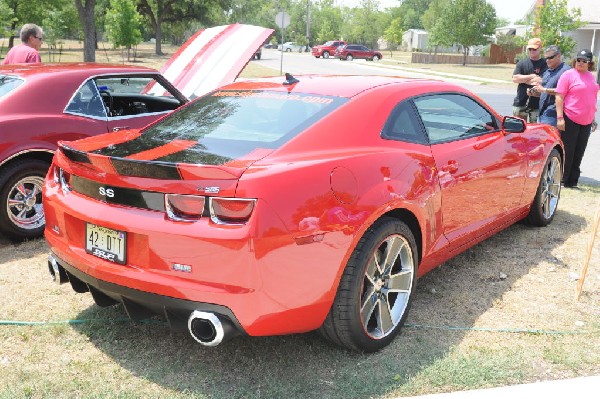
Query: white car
[[288, 47]]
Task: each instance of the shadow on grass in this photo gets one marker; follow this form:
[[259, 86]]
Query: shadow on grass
[[12, 250], [305, 366]]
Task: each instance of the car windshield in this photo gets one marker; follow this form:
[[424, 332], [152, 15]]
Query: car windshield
[[9, 83], [226, 125]]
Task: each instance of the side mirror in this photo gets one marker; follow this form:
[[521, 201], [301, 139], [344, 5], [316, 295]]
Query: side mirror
[[512, 124]]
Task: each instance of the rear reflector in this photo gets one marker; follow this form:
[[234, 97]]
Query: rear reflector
[[231, 210]]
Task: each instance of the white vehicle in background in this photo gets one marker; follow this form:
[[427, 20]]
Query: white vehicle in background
[[289, 47]]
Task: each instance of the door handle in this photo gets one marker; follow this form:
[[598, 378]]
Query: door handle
[[117, 128]]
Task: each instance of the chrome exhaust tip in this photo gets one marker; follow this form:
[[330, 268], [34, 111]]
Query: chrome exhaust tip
[[206, 328], [57, 273]]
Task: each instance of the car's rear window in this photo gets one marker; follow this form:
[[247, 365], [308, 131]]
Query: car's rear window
[[9, 83], [229, 124]]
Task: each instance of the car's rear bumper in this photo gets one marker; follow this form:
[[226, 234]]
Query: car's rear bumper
[[139, 305]]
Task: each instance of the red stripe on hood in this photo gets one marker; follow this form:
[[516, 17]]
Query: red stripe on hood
[[97, 142]]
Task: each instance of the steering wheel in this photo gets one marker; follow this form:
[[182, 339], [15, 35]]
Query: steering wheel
[[107, 99]]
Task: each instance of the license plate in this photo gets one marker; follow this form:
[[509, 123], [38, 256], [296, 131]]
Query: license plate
[[106, 243]]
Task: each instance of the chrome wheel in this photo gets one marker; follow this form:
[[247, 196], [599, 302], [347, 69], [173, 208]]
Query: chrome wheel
[[326, 54], [551, 187], [387, 286], [375, 58], [376, 288], [544, 204], [349, 57], [24, 205]]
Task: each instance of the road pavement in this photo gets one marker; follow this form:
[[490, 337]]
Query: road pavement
[[498, 93]]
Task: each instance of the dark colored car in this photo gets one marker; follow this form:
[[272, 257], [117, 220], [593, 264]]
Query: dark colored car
[[41, 104], [352, 51]]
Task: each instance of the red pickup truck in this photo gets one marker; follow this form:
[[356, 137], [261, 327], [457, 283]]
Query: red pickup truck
[[327, 49]]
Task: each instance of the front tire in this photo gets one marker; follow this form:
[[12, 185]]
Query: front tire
[[325, 54], [376, 289], [546, 198], [21, 211], [349, 57]]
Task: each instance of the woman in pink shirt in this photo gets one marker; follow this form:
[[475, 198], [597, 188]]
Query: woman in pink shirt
[[576, 95], [28, 51]]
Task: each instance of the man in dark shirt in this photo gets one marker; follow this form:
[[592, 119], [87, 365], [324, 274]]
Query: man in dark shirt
[[546, 89], [527, 73]]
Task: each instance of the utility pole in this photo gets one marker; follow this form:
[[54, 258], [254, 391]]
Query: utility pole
[[308, 24]]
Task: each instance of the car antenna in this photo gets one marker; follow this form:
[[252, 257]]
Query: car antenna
[[289, 79]]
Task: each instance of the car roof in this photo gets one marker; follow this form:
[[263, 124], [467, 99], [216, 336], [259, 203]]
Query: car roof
[[339, 85]]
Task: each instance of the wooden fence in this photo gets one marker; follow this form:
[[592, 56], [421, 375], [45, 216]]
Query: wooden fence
[[497, 56]]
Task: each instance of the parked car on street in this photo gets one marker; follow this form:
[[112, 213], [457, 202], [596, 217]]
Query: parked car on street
[[41, 104], [269, 207], [351, 51], [326, 49], [289, 47]]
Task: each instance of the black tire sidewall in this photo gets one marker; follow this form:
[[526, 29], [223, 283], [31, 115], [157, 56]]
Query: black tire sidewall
[[8, 177]]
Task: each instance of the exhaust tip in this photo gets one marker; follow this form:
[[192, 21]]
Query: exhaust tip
[[57, 273], [206, 328]]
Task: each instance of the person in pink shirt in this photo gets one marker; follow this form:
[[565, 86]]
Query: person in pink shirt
[[576, 95], [28, 51]]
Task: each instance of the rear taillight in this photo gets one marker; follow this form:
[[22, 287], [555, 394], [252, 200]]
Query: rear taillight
[[184, 208], [231, 210]]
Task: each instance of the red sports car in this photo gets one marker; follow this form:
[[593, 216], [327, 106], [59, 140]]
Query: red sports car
[[41, 104], [276, 207]]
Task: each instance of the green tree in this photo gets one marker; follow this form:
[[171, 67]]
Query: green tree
[[434, 13], [393, 34], [466, 22], [554, 19], [326, 21], [85, 9], [123, 25], [160, 12], [361, 24]]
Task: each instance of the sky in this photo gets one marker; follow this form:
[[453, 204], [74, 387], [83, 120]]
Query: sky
[[512, 10]]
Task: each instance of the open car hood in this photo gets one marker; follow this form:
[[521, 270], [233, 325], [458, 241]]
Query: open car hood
[[213, 57]]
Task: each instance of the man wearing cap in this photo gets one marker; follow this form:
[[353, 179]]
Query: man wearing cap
[[527, 73]]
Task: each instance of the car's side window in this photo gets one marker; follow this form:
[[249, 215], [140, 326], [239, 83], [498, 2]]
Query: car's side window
[[449, 117], [87, 101], [404, 125]]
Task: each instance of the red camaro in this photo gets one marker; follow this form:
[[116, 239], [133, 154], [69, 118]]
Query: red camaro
[[275, 207], [41, 104]]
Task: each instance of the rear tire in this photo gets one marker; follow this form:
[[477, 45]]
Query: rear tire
[[376, 289], [375, 58], [325, 54], [21, 211], [546, 198]]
